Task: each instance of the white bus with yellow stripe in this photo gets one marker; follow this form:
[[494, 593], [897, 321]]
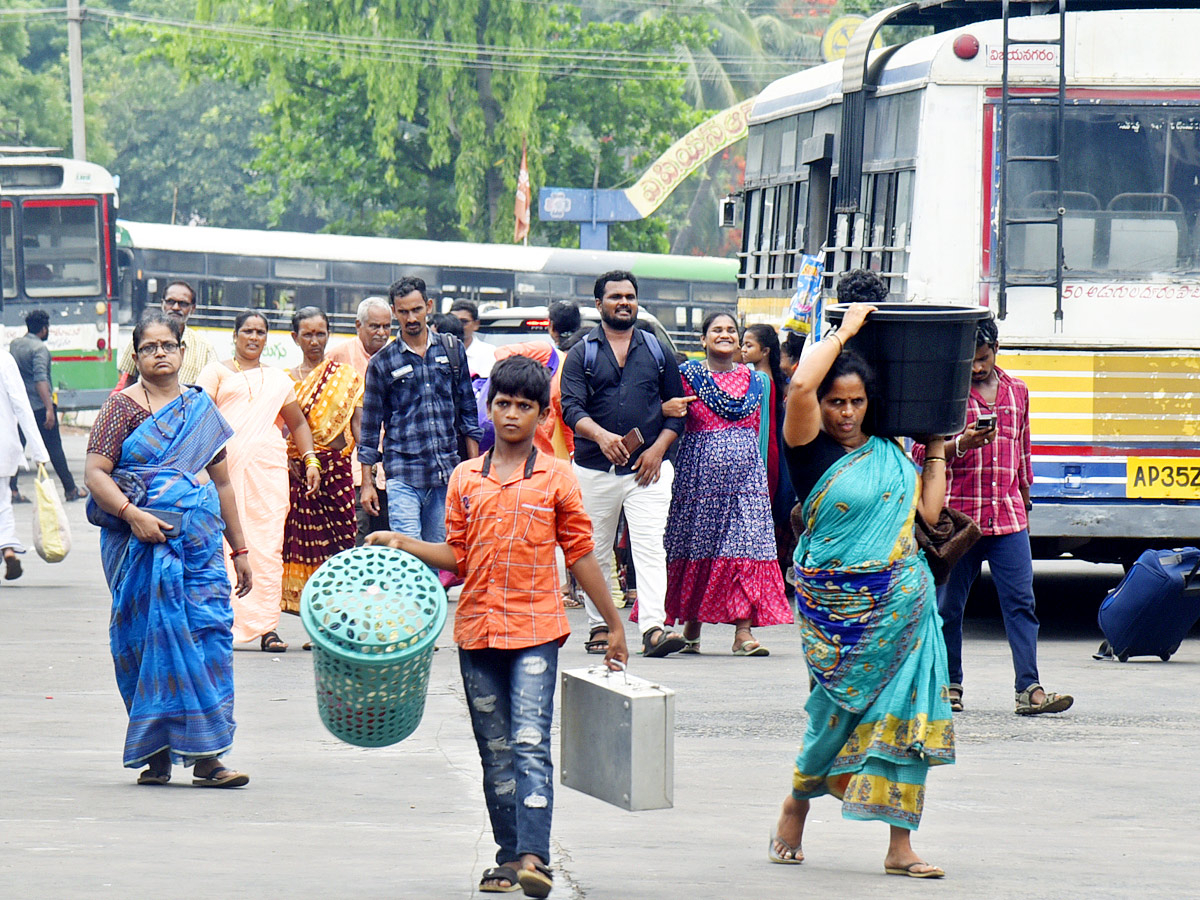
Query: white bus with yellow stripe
[[1049, 168]]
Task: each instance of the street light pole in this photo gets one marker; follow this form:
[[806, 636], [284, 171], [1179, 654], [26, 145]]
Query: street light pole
[[75, 67]]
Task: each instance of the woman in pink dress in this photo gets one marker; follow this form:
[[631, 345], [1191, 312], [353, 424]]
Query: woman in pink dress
[[720, 538], [256, 400]]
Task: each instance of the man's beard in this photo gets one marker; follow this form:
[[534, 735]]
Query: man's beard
[[615, 323]]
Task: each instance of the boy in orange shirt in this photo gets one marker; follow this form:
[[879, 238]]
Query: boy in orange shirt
[[505, 513]]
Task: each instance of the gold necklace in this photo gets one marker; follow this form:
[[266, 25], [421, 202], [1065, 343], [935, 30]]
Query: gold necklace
[[262, 376]]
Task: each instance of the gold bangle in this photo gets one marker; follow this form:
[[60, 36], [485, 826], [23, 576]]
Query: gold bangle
[[934, 459], [841, 343]]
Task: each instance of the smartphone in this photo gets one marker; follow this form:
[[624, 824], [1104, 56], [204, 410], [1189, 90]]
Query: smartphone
[[985, 422], [173, 518], [632, 441]]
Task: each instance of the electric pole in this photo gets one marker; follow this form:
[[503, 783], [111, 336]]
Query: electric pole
[[75, 67]]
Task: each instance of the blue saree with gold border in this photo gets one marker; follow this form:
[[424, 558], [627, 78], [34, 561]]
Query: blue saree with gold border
[[879, 711], [170, 629]]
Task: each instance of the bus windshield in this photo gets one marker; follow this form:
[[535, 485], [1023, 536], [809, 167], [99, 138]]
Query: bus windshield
[[1131, 189], [61, 247]]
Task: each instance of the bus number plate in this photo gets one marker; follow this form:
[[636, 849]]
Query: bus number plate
[[1173, 479]]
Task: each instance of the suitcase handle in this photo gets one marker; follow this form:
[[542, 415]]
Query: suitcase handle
[[1187, 582]]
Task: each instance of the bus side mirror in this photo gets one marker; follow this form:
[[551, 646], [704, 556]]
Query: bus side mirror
[[728, 212]]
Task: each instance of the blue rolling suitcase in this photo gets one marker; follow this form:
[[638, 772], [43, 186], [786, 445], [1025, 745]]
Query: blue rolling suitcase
[[1151, 611]]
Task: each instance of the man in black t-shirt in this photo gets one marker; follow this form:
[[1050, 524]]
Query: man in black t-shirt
[[615, 381]]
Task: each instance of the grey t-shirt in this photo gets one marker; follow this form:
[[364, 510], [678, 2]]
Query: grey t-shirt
[[33, 359]]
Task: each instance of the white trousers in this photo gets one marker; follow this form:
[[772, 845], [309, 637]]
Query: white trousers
[[8, 524], [605, 494]]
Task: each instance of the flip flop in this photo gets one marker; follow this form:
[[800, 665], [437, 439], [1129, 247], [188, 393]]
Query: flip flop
[[774, 857], [536, 882], [751, 648], [908, 870], [692, 648], [20, 498], [12, 568], [149, 776], [507, 873], [222, 777]]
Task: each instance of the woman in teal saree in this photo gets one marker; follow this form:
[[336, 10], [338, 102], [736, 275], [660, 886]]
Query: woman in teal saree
[[161, 493], [879, 712]]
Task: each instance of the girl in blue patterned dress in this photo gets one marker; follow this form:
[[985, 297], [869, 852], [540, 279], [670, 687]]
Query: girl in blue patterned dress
[[879, 711]]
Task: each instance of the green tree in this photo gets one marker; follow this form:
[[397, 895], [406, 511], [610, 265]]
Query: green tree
[[33, 107], [400, 124]]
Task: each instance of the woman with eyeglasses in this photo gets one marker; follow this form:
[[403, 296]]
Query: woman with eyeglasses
[[160, 490], [259, 401]]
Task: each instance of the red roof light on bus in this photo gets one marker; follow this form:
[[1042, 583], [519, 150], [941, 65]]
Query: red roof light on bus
[[966, 46]]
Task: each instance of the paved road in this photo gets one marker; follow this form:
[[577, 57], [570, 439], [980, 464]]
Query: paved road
[[1100, 802]]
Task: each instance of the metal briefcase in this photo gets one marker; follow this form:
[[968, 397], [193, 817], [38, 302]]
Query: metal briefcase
[[618, 738]]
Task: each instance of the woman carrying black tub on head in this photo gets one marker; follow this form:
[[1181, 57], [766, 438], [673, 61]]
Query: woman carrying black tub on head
[[879, 711]]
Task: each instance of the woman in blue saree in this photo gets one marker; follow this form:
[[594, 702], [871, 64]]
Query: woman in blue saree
[[879, 711], [161, 492]]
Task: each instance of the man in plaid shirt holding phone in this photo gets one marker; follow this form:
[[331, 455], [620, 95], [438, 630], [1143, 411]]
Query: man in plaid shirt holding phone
[[989, 471]]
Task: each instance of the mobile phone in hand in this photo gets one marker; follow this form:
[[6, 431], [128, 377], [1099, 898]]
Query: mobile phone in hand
[[985, 422], [632, 440]]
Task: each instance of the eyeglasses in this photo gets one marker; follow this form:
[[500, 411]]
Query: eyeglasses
[[152, 349], [178, 304]]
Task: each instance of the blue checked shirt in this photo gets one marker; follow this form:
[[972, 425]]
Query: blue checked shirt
[[412, 399]]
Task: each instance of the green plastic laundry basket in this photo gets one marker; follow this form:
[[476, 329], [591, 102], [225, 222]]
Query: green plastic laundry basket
[[373, 615]]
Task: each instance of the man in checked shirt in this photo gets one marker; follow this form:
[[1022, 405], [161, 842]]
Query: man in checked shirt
[[988, 475], [418, 393], [505, 514]]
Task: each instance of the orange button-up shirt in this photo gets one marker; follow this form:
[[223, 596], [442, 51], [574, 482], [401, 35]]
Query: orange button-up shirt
[[504, 535]]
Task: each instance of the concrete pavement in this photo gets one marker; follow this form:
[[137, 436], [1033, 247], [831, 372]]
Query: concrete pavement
[[1099, 802]]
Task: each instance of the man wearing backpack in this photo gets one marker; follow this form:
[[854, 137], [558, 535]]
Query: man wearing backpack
[[418, 393], [614, 383]]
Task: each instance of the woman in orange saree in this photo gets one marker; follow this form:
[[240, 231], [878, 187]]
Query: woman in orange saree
[[330, 396]]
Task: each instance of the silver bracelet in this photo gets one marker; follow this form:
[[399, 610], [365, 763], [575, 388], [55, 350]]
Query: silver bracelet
[[958, 453]]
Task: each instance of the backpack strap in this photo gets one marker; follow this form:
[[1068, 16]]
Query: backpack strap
[[591, 347], [450, 344]]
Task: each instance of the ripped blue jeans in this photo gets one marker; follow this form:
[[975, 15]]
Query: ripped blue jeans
[[510, 694]]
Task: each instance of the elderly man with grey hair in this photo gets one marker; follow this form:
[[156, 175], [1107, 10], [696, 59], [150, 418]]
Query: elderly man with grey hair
[[373, 323]]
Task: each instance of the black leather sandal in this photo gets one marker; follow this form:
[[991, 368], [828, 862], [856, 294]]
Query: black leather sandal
[[272, 643]]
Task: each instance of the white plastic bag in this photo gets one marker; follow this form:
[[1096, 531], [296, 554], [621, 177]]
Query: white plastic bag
[[51, 532]]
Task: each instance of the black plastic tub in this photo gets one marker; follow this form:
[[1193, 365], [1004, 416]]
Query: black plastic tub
[[922, 356]]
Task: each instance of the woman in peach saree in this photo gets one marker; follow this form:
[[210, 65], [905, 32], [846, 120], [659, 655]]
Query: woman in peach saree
[[256, 400]]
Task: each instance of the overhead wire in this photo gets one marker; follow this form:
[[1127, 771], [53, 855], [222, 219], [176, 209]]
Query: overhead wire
[[602, 64]]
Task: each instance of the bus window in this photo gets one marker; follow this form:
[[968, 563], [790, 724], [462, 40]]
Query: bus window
[[239, 266], [787, 147], [363, 273], [782, 259], [8, 250], [306, 269], [61, 246], [754, 150], [800, 235], [772, 144], [173, 262], [1131, 189]]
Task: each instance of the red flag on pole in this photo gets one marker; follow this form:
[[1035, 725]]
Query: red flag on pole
[[521, 208]]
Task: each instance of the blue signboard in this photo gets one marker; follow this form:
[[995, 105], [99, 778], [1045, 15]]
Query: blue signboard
[[557, 204]]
